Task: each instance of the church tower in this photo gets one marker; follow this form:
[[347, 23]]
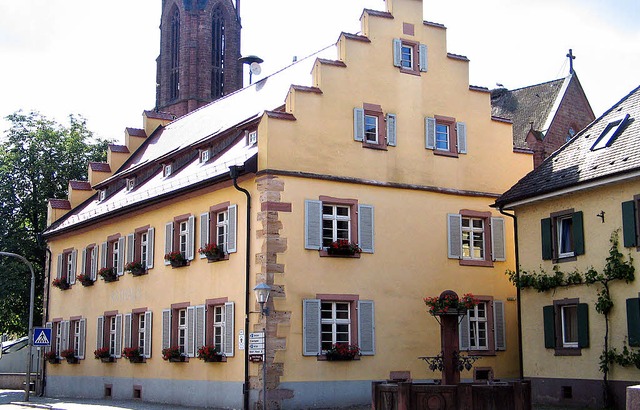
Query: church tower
[[199, 52]]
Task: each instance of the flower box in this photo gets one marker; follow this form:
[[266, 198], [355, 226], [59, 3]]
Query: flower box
[[178, 359], [135, 268], [176, 259], [342, 352], [448, 304], [108, 274], [173, 354], [133, 354], [107, 359], [51, 357], [104, 355], [343, 247], [139, 359], [85, 280], [61, 283], [178, 264], [69, 355], [72, 360], [210, 354], [212, 252]]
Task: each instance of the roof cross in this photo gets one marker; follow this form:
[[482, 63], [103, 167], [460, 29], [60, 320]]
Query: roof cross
[[571, 58]]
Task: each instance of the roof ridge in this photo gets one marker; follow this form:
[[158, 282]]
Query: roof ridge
[[536, 85]]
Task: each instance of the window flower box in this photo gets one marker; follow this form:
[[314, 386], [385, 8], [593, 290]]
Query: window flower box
[[176, 259], [212, 252], [343, 247], [61, 283], [70, 356], [136, 268], [108, 274], [133, 354], [85, 280], [342, 351], [52, 357], [448, 303], [209, 354], [173, 354], [104, 355]]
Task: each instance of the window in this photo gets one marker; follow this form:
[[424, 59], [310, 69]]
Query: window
[[77, 337], [66, 271], [59, 341], [179, 237], [409, 56], [182, 330], [330, 219], [109, 333], [167, 170], [566, 326], [112, 253], [219, 226], [482, 329], [331, 319], [131, 183], [89, 262], [445, 136], [219, 330], [610, 133], [252, 137], [562, 236], [140, 246], [137, 331], [476, 238], [630, 222], [217, 53], [371, 126], [102, 194], [174, 63], [204, 155]]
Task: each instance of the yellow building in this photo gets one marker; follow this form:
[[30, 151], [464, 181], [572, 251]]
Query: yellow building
[[377, 141], [567, 211]]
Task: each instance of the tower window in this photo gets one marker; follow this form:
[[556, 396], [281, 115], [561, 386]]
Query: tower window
[[217, 54], [175, 55]]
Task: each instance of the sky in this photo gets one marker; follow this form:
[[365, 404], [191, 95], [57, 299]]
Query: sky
[[96, 58]]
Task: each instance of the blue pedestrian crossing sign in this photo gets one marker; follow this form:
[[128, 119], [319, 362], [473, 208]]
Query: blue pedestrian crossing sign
[[41, 336]]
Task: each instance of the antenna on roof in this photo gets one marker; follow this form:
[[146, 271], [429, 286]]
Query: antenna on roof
[[571, 58]]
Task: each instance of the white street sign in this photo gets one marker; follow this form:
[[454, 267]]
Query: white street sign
[[257, 334], [256, 340], [256, 351]]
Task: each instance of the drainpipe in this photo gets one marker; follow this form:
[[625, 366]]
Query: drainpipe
[[234, 172], [518, 302]]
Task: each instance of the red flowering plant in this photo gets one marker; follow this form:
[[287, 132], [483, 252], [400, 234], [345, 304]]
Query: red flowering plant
[[212, 251], [102, 353], [343, 247], [342, 351], [450, 303], [84, 279], [131, 353], [175, 258], [135, 267], [51, 356], [209, 354], [108, 274], [68, 354], [60, 283], [172, 352]]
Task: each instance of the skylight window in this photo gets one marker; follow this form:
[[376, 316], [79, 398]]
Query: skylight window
[[610, 133]]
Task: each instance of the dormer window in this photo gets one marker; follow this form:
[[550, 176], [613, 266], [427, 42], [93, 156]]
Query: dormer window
[[252, 137], [166, 170], [204, 155], [610, 133], [102, 195], [131, 183]]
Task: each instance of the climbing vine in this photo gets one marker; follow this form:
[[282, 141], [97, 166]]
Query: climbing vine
[[616, 268]]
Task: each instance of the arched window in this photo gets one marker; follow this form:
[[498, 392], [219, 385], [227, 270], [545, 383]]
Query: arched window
[[175, 54], [217, 54]]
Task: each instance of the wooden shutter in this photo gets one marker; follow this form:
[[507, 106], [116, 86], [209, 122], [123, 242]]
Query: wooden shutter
[[83, 263], [583, 325], [358, 124], [59, 267], [191, 235], [166, 328], [121, 254], [83, 338], [100, 332], [629, 227], [499, 325], [168, 240], [148, 322], [232, 239], [423, 57], [64, 335], [454, 227], [578, 234], [549, 314], [131, 250], [94, 266], [204, 232], [366, 228], [191, 313], [391, 130], [498, 245], [366, 327], [397, 52], [127, 330], [311, 327], [463, 330], [118, 352], [461, 130], [430, 132], [48, 325], [229, 329], [103, 254], [74, 267], [633, 321], [312, 224], [150, 244], [200, 327], [547, 239]]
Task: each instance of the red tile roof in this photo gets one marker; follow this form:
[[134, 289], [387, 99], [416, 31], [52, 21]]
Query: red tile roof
[[60, 204], [80, 185], [136, 132], [118, 148], [100, 166]]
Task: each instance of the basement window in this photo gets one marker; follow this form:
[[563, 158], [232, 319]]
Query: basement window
[[610, 133]]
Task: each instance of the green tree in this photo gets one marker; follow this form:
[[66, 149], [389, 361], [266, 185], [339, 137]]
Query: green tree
[[38, 157]]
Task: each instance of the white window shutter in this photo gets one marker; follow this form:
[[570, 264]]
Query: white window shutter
[[311, 327], [498, 246], [312, 224], [229, 328], [366, 228], [100, 332], [168, 240], [83, 338], [358, 124], [397, 52], [49, 325], [499, 325], [103, 254], [166, 328], [191, 235], [121, 253], [461, 130], [150, 244], [454, 228], [191, 311], [232, 239], [127, 330], [64, 335], [131, 247], [83, 263], [463, 331], [366, 328], [391, 130], [148, 322], [94, 266], [430, 132], [118, 353], [74, 267], [423, 57], [200, 327], [59, 267], [204, 232]]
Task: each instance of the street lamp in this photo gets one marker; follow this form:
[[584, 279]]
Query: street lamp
[[262, 296]]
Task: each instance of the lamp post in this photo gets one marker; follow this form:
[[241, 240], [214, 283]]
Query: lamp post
[[27, 387], [262, 296]]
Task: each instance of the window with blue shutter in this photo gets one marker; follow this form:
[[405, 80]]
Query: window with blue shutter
[[373, 128]]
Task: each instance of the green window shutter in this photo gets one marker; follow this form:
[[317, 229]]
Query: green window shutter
[[578, 234], [629, 223], [549, 327], [583, 325], [547, 240], [633, 321]]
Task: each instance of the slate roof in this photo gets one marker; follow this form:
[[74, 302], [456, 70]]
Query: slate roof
[[100, 166], [528, 104], [119, 148], [59, 203], [575, 164], [80, 185]]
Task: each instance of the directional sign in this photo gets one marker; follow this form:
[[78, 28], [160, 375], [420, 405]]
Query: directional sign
[[257, 334], [256, 351], [41, 336], [256, 340]]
